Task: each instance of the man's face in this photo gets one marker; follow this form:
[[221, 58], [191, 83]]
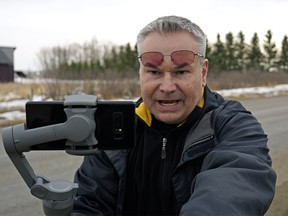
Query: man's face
[[171, 91]]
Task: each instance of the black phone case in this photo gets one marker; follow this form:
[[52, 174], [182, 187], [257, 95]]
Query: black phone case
[[115, 123]]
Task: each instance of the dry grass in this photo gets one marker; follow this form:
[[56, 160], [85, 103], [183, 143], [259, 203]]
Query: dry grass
[[126, 89], [8, 123], [231, 80], [58, 89], [20, 90], [102, 89], [10, 109], [130, 88]]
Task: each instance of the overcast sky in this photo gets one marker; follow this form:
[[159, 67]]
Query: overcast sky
[[30, 25]]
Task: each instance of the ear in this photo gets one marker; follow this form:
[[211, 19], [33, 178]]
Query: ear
[[204, 71]]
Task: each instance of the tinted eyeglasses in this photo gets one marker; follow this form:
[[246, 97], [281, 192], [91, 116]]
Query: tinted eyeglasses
[[179, 57]]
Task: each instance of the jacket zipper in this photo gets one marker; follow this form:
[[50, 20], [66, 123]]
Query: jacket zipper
[[163, 152], [204, 139]]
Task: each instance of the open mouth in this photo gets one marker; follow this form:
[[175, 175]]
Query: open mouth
[[168, 103]]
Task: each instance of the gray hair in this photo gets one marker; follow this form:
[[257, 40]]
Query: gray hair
[[170, 24]]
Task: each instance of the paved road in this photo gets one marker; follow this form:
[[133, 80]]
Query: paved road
[[273, 115], [15, 198]]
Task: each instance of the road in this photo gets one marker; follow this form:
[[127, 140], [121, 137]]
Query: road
[[16, 199], [273, 115]]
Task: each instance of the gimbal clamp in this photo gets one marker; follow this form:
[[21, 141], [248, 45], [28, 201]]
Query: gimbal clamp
[[79, 130]]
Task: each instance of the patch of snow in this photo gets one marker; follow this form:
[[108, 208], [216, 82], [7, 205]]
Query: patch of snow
[[273, 90], [19, 102], [14, 115]]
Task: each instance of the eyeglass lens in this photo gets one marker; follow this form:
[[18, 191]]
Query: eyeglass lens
[[178, 58]]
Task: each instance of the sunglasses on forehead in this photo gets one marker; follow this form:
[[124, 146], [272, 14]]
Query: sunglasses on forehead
[[179, 57]]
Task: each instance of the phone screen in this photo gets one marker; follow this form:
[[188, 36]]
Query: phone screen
[[115, 123]]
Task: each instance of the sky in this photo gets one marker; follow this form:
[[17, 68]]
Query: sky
[[30, 25]]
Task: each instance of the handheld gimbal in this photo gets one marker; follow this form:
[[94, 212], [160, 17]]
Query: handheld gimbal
[[78, 131]]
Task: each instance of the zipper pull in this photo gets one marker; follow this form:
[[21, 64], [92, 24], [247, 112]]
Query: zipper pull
[[163, 152]]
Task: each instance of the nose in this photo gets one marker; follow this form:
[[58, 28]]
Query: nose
[[168, 84]]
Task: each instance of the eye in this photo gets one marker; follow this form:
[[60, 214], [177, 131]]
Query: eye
[[181, 72], [154, 72]]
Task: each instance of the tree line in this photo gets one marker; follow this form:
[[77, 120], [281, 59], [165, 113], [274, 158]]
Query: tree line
[[93, 60], [235, 55]]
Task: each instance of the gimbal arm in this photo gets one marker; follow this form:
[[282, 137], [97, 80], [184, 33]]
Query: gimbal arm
[[79, 130]]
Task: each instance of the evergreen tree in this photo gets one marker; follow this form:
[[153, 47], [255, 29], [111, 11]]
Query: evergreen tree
[[254, 55], [270, 51], [122, 60], [128, 58], [208, 49], [217, 60], [283, 58], [241, 51], [110, 59], [131, 55], [230, 60]]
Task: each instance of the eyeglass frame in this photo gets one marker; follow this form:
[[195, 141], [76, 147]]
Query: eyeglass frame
[[195, 54]]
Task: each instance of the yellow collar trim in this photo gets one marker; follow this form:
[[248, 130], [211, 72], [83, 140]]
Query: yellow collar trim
[[202, 102], [144, 114]]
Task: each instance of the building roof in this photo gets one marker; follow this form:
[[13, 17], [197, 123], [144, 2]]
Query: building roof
[[7, 55]]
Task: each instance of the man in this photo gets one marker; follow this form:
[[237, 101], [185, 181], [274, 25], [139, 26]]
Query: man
[[195, 153]]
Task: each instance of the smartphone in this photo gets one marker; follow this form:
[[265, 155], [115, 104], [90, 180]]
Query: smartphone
[[115, 123]]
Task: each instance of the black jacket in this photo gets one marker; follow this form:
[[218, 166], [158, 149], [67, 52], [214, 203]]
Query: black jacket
[[224, 167]]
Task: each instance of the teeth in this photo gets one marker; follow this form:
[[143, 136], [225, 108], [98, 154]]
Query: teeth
[[168, 103]]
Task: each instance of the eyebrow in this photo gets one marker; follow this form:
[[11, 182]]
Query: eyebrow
[[182, 65], [175, 68], [150, 65]]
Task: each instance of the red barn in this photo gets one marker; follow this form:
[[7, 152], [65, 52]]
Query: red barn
[[7, 64]]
